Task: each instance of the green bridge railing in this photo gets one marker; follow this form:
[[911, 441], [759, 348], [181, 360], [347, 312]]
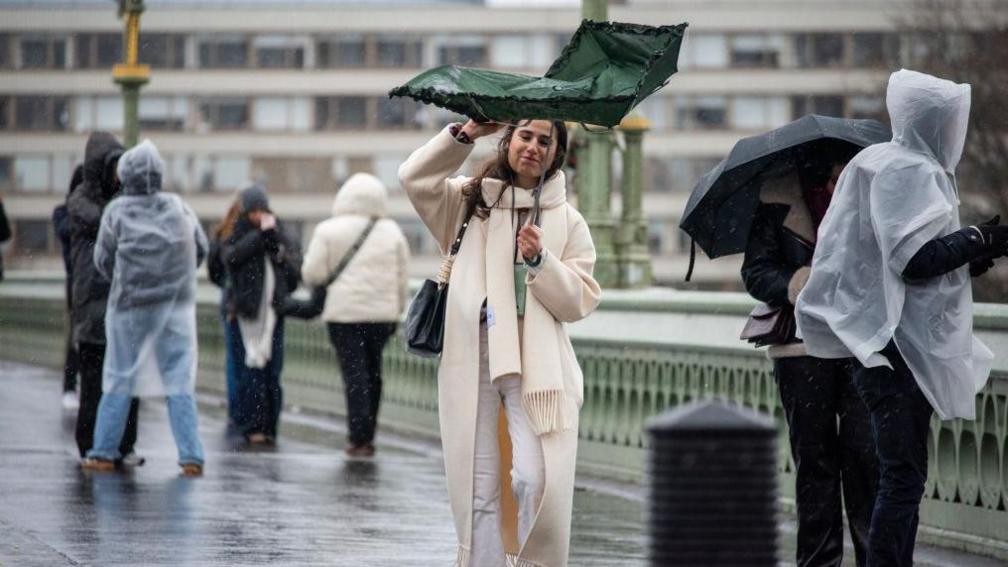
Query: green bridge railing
[[642, 353]]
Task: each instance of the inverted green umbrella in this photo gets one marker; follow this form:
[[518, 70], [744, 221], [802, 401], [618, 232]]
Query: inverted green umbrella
[[607, 69]]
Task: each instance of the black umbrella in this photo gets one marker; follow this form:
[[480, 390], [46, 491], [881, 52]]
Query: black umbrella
[[721, 208]]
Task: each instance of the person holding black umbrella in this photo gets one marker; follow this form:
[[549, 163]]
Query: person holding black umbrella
[[827, 422], [891, 287]]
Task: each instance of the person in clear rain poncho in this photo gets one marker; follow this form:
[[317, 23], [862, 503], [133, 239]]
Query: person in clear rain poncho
[[890, 286], [149, 245]]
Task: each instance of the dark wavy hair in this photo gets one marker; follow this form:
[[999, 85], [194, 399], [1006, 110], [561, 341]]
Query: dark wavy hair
[[498, 167]]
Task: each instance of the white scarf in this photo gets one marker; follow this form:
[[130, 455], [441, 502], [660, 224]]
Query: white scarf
[[543, 395], [257, 333]]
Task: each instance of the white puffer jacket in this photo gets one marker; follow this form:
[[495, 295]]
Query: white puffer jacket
[[373, 287]]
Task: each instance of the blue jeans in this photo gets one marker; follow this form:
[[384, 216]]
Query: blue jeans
[[260, 396], [112, 412], [900, 419], [234, 359]]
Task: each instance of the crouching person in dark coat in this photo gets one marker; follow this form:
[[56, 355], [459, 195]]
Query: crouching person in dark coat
[[827, 422]]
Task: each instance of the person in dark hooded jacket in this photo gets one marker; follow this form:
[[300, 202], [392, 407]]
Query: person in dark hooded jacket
[[263, 265], [90, 290], [5, 234], [61, 223]]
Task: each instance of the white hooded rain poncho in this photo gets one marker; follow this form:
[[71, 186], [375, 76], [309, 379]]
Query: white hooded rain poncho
[[149, 245], [890, 200]]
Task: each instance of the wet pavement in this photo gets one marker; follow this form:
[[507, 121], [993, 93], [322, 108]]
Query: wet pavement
[[302, 503]]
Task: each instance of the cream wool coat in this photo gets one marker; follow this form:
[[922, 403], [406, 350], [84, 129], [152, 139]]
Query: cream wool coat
[[537, 347], [373, 287]]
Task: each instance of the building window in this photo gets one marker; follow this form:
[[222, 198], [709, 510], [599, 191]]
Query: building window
[[874, 50], [820, 50], [32, 173], [281, 114], [43, 52], [701, 112], [682, 174], [867, 107], [822, 105], [704, 51], [162, 50], [41, 113], [398, 52], [278, 52], [293, 174], [223, 53], [655, 109], [759, 113], [225, 113], [522, 51], [398, 113], [163, 113], [5, 110], [463, 50], [347, 51], [222, 173], [6, 173], [97, 50], [341, 113], [756, 51], [31, 236], [386, 168], [6, 61]]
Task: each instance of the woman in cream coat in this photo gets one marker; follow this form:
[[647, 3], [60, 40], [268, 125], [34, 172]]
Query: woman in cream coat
[[491, 353]]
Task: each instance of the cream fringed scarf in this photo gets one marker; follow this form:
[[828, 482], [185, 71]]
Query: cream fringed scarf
[[543, 395]]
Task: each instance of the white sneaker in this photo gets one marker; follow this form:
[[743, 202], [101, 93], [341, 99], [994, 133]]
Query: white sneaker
[[70, 401], [132, 460]]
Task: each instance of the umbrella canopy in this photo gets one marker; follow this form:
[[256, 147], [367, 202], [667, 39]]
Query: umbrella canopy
[[607, 69], [720, 210]]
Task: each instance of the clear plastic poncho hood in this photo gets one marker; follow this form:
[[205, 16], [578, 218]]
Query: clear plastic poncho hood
[[149, 245], [890, 200]]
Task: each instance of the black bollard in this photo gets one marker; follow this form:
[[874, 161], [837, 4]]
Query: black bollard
[[713, 487]]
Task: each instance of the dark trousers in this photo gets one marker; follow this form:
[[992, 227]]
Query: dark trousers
[[359, 347], [70, 366], [260, 397], [832, 447], [91, 358], [234, 359], [900, 419]]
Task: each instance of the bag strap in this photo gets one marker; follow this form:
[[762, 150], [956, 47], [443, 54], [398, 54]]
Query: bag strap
[[345, 261], [446, 264]]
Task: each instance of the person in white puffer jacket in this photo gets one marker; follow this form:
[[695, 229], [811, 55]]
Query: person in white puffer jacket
[[366, 300]]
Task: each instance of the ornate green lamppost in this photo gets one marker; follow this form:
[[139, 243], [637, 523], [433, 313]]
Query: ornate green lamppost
[[631, 235], [131, 75], [594, 179]]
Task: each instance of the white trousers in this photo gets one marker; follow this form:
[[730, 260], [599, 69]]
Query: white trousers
[[527, 468]]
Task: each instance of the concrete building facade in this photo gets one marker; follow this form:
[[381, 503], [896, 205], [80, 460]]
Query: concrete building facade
[[293, 94]]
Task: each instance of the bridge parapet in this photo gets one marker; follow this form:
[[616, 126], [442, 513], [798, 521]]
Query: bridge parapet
[[642, 353]]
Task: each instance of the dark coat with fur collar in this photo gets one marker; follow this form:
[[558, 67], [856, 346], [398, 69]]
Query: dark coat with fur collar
[[779, 252]]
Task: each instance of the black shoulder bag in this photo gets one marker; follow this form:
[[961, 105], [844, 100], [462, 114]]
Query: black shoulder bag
[[425, 319], [313, 307]]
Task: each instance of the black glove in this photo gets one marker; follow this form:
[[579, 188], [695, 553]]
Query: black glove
[[271, 240], [990, 231], [995, 236], [980, 267]]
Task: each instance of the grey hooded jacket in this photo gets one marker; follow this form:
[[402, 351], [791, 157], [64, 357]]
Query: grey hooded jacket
[[150, 242]]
